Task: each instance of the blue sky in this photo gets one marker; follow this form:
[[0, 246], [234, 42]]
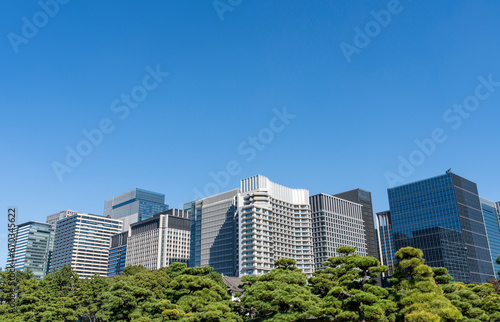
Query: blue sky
[[227, 78]]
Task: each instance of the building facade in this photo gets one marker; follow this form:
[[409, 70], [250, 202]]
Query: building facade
[[160, 241], [214, 232], [364, 198], [82, 241], [134, 206], [32, 248], [117, 254], [443, 217], [274, 223], [336, 222], [384, 241], [492, 224], [52, 219]]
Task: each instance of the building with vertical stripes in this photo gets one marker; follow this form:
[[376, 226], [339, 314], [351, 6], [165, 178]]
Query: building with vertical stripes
[[364, 198], [336, 222], [214, 232]]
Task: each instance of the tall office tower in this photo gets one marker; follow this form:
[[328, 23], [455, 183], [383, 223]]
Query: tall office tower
[[82, 241], [275, 222], [214, 232], [364, 198], [32, 248], [134, 206], [443, 217], [492, 224], [117, 254], [52, 219], [160, 241], [385, 242], [335, 222]]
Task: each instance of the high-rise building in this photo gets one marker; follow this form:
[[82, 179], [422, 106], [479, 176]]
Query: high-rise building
[[274, 223], [117, 254], [364, 198], [134, 206], [443, 217], [160, 241], [492, 224], [82, 241], [335, 222], [214, 232], [32, 248], [385, 242], [52, 219]]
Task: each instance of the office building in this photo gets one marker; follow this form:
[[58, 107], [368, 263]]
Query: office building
[[82, 241], [364, 198], [443, 217], [274, 222], [52, 219], [336, 222], [214, 232], [117, 254], [384, 241], [492, 224], [160, 241], [32, 248], [134, 206]]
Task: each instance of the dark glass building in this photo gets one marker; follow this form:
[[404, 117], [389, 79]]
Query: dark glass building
[[385, 241], [491, 220], [364, 198], [443, 217], [117, 254]]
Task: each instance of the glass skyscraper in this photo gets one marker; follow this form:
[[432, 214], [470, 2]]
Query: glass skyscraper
[[214, 232], [117, 254], [134, 206], [491, 220], [32, 248], [385, 241], [443, 217]]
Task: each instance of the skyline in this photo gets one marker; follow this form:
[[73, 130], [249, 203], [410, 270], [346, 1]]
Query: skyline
[[229, 79]]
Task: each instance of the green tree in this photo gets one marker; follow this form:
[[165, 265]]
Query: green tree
[[475, 302], [280, 295], [124, 301], [89, 293], [419, 297], [348, 288], [201, 297]]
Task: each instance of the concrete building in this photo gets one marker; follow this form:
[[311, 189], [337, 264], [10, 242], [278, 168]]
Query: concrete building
[[32, 248], [52, 219], [274, 223], [364, 198], [336, 222], [160, 241], [82, 241]]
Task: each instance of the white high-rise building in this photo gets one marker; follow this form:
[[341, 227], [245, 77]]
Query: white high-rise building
[[160, 241], [52, 219], [274, 223], [82, 241]]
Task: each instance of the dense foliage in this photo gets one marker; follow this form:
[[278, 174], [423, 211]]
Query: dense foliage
[[347, 289]]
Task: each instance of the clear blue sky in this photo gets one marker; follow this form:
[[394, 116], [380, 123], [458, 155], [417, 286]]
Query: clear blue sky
[[353, 120]]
